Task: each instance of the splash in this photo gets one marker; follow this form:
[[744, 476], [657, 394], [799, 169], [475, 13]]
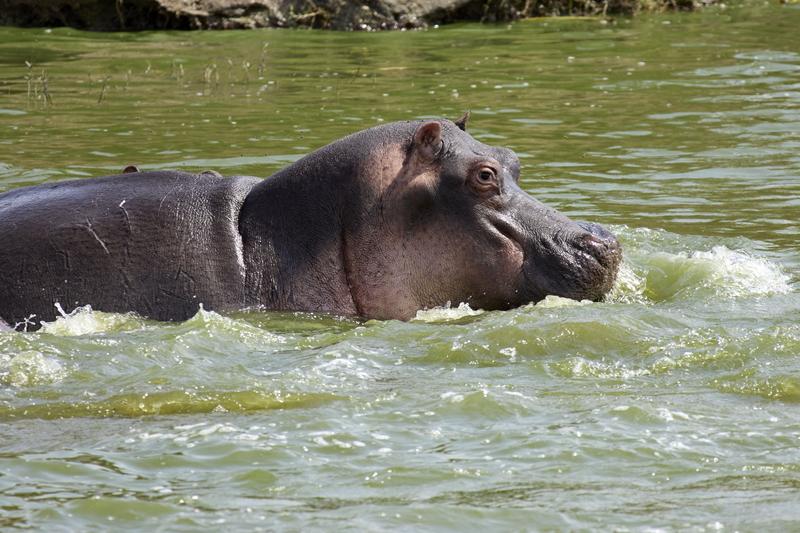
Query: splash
[[29, 368], [205, 323], [552, 301], [205, 318], [85, 321], [446, 313], [661, 266], [629, 287], [720, 272]]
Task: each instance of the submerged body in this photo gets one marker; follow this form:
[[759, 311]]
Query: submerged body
[[384, 222]]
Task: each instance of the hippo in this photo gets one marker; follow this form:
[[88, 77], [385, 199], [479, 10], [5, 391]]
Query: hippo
[[379, 224]]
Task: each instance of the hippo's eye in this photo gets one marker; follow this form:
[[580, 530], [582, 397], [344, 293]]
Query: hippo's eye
[[486, 175], [484, 181]]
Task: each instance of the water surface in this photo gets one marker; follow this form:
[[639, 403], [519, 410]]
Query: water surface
[[673, 405]]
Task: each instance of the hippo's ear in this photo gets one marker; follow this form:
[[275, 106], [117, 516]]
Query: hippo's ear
[[428, 140], [461, 122]]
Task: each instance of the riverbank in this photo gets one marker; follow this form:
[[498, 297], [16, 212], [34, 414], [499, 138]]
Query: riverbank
[[107, 15]]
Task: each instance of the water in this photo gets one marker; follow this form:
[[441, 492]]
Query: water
[[671, 406]]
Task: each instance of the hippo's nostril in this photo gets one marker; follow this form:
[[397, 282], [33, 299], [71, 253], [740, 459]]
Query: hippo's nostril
[[604, 247], [597, 230], [598, 237], [594, 244]]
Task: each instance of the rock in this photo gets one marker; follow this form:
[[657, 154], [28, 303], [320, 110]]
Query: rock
[[110, 15]]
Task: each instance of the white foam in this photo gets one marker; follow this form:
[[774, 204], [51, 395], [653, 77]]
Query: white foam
[[744, 274], [552, 301], [84, 321], [728, 273], [210, 320], [29, 368], [629, 287], [439, 314]]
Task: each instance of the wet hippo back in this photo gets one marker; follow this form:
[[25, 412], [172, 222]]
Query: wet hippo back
[[160, 243]]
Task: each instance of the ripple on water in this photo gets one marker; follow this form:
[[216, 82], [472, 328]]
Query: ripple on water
[[753, 382], [168, 403]]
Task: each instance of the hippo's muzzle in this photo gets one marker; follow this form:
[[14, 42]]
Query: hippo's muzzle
[[601, 245], [580, 262]]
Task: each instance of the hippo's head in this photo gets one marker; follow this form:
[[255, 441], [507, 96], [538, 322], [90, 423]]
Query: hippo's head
[[450, 223]]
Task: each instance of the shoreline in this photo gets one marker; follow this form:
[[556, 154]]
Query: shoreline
[[133, 15]]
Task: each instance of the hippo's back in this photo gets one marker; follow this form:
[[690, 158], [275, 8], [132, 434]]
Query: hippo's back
[[158, 243]]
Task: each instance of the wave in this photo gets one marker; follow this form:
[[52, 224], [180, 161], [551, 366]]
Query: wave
[[169, 403], [651, 271]]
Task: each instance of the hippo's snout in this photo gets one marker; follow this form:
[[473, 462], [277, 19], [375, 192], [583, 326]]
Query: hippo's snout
[[580, 263], [605, 252]]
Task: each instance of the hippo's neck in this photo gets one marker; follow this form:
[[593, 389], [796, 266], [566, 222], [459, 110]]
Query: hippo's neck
[[292, 233], [295, 224]]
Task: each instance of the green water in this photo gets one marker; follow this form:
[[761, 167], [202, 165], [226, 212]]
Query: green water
[[673, 406]]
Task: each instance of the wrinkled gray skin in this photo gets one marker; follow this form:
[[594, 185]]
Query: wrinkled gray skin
[[380, 224]]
